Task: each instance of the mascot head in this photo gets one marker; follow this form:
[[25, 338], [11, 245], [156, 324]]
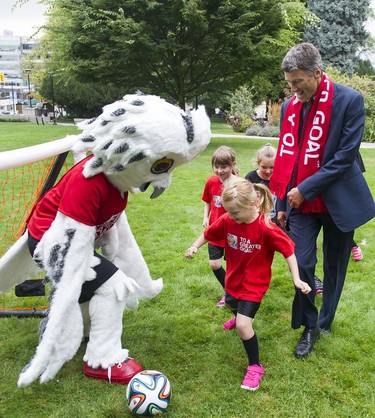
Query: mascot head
[[139, 140]]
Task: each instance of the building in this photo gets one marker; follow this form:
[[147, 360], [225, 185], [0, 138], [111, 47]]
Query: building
[[16, 85]]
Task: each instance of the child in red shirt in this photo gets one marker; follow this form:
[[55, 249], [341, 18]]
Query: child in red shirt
[[224, 166], [251, 241]]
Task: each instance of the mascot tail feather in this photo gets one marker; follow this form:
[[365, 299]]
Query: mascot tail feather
[[16, 265]]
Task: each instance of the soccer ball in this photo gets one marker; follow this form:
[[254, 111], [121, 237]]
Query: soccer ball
[[148, 393]]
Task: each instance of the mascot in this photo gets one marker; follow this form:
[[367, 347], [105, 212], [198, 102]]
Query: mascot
[[136, 142]]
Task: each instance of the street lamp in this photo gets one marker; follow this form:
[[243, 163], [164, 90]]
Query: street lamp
[[14, 108], [53, 99], [28, 70]]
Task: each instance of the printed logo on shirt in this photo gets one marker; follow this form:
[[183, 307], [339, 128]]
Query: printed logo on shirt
[[247, 247], [217, 201], [242, 244], [100, 229], [232, 241]]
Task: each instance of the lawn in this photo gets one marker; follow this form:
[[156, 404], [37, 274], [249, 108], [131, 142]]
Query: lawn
[[179, 333]]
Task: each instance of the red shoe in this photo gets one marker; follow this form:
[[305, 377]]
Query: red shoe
[[119, 373]]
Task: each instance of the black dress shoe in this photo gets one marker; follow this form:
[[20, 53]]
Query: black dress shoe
[[306, 342]]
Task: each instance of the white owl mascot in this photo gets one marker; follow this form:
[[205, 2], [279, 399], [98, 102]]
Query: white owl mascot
[[134, 143]]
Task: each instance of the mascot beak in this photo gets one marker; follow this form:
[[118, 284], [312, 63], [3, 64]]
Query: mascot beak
[[157, 190], [143, 187]]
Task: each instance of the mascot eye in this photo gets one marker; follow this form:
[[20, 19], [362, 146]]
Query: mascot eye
[[162, 166]]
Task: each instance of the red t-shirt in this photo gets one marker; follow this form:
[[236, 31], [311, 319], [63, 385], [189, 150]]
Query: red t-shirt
[[212, 195], [249, 250], [92, 201]]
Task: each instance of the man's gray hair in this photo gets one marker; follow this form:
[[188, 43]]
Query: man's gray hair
[[303, 56]]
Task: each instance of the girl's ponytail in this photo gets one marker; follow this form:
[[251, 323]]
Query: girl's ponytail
[[265, 203]]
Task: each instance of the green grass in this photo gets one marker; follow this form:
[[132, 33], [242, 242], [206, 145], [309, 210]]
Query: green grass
[[17, 134], [179, 332], [221, 127], [13, 136]]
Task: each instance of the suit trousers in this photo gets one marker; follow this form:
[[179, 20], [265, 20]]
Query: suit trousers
[[304, 230]]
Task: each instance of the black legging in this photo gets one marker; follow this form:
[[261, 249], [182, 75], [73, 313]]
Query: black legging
[[104, 271]]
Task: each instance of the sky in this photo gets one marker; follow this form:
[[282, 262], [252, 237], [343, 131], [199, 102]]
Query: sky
[[23, 20]]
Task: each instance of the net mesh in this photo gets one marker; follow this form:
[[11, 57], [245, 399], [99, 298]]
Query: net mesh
[[20, 189]]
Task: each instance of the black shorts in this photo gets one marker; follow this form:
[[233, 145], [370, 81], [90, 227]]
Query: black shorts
[[243, 307], [104, 271], [215, 252]]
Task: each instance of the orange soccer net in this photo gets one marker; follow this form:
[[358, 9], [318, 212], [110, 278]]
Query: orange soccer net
[[20, 189]]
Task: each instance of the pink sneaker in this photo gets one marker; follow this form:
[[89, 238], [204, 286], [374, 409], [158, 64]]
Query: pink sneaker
[[318, 285], [357, 253], [221, 302], [230, 324], [252, 377]]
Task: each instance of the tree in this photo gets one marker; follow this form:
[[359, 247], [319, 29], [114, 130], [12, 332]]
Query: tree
[[365, 68], [180, 49], [269, 84], [340, 33], [366, 86], [78, 99]]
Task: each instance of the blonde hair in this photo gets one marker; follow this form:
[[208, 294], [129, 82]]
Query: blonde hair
[[248, 195], [268, 152], [225, 156]]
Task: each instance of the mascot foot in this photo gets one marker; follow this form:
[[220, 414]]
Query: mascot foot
[[119, 373]]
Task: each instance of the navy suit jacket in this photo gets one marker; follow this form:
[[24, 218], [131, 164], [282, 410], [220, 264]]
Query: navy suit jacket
[[339, 180]]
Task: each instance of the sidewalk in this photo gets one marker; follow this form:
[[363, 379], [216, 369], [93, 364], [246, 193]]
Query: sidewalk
[[266, 138]]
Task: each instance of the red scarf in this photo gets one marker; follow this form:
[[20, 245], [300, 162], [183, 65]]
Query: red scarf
[[313, 143]]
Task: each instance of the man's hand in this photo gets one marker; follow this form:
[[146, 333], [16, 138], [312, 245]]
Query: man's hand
[[295, 198]]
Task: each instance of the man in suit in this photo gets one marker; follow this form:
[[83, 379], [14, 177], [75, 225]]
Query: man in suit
[[319, 183]]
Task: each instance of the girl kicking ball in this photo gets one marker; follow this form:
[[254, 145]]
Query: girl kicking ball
[[251, 241]]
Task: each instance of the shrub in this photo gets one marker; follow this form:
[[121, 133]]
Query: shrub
[[264, 131], [274, 110], [254, 130], [366, 86], [240, 124], [270, 131], [241, 109], [13, 119]]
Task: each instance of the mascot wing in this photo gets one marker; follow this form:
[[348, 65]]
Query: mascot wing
[[16, 265], [66, 253], [119, 245]]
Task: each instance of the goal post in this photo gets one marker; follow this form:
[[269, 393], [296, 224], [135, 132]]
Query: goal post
[[25, 175]]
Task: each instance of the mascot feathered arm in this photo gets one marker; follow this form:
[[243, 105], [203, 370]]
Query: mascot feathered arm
[[66, 254], [119, 246]]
